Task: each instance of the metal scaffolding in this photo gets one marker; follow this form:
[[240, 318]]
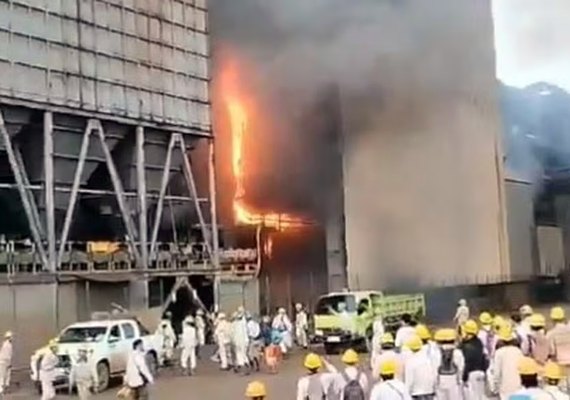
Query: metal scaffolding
[[51, 248]]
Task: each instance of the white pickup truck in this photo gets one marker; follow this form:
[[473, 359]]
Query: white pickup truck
[[109, 343]]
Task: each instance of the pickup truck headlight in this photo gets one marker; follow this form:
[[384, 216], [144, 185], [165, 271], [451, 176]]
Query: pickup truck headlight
[[319, 332]]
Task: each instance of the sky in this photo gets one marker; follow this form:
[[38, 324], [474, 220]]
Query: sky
[[532, 39]]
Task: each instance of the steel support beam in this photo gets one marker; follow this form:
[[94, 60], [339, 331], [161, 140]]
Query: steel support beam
[[161, 195], [214, 217], [119, 192], [21, 178], [32, 199], [141, 190], [91, 124], [49, 190]]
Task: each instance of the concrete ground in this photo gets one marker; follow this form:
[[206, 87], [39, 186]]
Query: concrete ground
[[210, 383]]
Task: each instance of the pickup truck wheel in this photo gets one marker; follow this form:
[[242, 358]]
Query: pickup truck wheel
[[103, 375]]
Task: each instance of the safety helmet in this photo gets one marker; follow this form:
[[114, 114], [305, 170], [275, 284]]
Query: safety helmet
[[552, 371], [388, 367], [499, 322], [557, 314], [414, 343], [350, 357], [423, 332], [527, 366], [485, 318], [525, 310], [8, 335], [470, 327], [445, 335], [462, 302], [221, 315], [53, 343], [281, 310], [537, 321], [189, 319], [255, 389], [298, 306], [199, 312], [240, 310], [387, 338], [505, 334], [312, 361]]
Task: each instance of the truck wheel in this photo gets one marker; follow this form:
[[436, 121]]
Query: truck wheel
[[330, 349], [152, 363], [103, 375]]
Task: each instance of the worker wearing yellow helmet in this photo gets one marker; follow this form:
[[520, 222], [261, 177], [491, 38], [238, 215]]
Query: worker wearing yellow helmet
[[476, 361], [528, 370], [351, 378], [505, 375], [256, 391], [487, 334], [552, 377], [388, 353], [450, 366], [536, 345], [316, 384], [558, 338], [419, 371], [389, 387]]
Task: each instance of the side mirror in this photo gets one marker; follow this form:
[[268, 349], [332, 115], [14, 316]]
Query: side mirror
[[113, 339]]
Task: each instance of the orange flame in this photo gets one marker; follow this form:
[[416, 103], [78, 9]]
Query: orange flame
[[238, 116]]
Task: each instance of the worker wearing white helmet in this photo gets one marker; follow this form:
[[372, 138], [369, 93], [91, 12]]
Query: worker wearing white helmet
[[240, 339], [165, 339], [189, 343], [222, 335], [200, 330], [83, 375], [6, 353], [462, 314], [48, 366], [282, 323], [301, 326]]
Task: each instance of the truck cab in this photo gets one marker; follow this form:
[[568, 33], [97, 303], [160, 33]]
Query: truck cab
[[345, 319], [109, 343]]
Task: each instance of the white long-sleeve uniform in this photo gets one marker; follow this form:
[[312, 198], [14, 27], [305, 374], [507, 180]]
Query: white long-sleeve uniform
[[84, 377], [352, 373], [136, 370], [506, 377], [313, 387], [301, 327], [223, 336], [419, 374], [555, 393], [5, 364], [189, 342], [282, 323], [165, 341], [393, 389], [240, 340], [384, 356], [47, 374], [450, 387], [200, 330], [404, 334]]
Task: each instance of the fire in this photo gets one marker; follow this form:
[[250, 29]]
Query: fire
[[238, 117]]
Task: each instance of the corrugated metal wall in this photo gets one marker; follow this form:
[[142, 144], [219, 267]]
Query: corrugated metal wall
[[142, 60], [422, 194]]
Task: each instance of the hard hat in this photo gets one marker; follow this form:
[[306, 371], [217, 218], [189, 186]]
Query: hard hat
[[255, 389], [298, 306], [527, 366], [506, 334], [189, 319], [445, 335], [387, 338], [552, 371], [414, 343], [52, 343], [221, 315], [312, 361], [388, 367], [470, 327], [462, 302], [537, 321], [423, 332], [199, 312], [499, 321], [8, 335], [525, 310], [485, 318], [241, 309], [350, 357], [557, 314], [281, 310]]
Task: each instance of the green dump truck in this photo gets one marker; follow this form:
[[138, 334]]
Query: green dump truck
[[344, 319]]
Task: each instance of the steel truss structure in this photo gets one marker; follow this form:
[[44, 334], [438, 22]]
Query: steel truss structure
[[50, 247]]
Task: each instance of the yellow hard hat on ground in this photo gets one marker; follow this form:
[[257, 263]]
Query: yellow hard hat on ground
[[414, 343], [445, 335], [552, 371], [470, 327], [350, 357], [255, 389], [485, 318], [388, 367], [423, 332], [527, 366], [387, 338], [537, 321], [312, 361], [557, 314]]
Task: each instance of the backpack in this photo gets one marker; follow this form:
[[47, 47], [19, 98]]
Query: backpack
[[315, 390], [447, 366], [352, 390]]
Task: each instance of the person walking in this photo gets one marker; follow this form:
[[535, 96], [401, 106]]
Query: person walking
[[189, 342], [487, 334], [558, 338], [462, 314], [301, 326], [476, 363], [165, 340], [405, 332], [389, 387], [537, 345], [83, 375], [506, 379], [314, 385], [552, 377], [137, 375], [240, 340], [419, 373], [48, 366], [350, 383], [282, 323], [528, 371], [256, 391], [6, 353], [387, 353], [255, 343], [223, 337], [200, 323], [450, 366]]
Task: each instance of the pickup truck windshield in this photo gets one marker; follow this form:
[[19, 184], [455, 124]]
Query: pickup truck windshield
[[332, 305], [83, 334]]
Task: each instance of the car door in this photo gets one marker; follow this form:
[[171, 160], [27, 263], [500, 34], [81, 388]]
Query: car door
[[114, 345]]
